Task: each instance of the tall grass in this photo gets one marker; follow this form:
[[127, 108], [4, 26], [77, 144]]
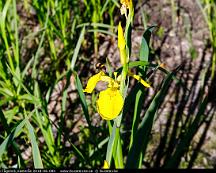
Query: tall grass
[[208, 8], [26, 88]]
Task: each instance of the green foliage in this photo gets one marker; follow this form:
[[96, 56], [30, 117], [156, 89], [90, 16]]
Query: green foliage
[[27, 85], [208, 8], [46, 50]]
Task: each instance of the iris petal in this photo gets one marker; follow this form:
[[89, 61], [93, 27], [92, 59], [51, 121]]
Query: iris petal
[[137, 77], [121, 39], [110, 103], [92, 82]]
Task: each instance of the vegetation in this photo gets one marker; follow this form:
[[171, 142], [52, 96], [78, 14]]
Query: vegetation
[[48, 52]]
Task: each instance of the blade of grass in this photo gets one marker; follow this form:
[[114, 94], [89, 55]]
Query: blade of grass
[[85, 108], [63, 107], [6, 127], [77, 48], [3, 32], [4, 121], [4, 145], [34, 70], [102, 25], [82, 98], [104, 8], [45, 125], [116, 3], [46, 130], [28, 65], [11, 113], [35, 150], [102, 31], [16, 52], [36, 101]]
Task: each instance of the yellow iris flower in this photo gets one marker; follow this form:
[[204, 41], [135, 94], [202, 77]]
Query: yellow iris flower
[[110, 101]]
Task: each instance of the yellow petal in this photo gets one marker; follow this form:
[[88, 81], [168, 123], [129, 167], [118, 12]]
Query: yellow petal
[[92, 82], [106, 79], [137, 77], [119, 78], [110, 103], [106, 165], [121, 39], [112, 83], [121, 45]]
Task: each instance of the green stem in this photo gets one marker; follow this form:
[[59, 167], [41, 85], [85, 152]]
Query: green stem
[[114, 146]]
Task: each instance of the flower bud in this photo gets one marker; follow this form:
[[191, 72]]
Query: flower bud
[[121, 45]]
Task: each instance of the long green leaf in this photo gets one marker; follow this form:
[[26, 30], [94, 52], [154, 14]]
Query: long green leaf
[[4, 32], [187, 138], [141, 138], [144, 49], [112, 142], [139, 99], [46, 129], [36, 57], [4, 121], [6, 127], [11, 136], [63, 107], [103, 31], [35, 150], [36, 101], [16, 52], [144, 54], [82, 98]]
